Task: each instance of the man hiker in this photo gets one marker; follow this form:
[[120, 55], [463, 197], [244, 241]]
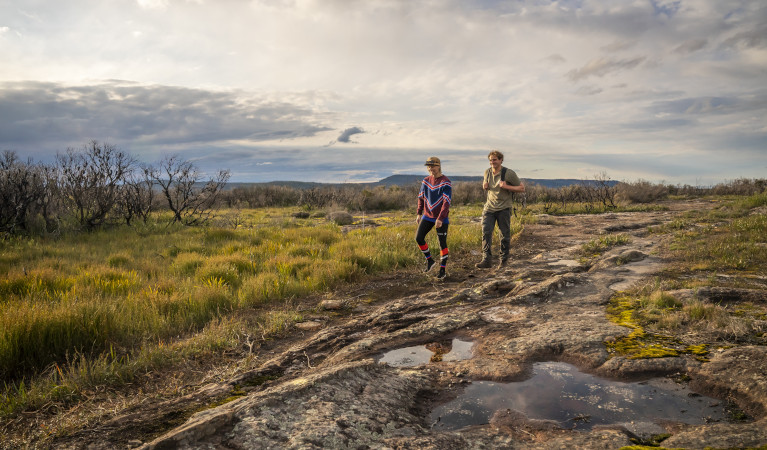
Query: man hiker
[[499, 184]]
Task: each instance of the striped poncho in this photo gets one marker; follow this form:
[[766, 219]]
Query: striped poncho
[[434, 198]]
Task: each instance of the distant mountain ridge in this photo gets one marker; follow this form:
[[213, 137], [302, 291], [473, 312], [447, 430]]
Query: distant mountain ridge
[[408, 179], [399, 180]]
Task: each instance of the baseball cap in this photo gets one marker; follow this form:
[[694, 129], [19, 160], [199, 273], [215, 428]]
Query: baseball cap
[[433, 161]]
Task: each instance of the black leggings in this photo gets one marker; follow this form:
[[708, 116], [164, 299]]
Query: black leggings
[[424, 227]]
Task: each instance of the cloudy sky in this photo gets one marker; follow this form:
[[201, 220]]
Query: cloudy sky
[[356, 90]]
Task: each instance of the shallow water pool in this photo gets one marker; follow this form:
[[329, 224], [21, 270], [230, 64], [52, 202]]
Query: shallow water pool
[[451, 350], [575, 400]]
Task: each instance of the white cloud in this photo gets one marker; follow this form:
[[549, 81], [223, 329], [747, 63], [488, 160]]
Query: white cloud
[[153, 4], [603, 66], [547, 78]]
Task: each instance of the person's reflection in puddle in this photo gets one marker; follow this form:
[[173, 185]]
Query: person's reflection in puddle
[[440, 349]]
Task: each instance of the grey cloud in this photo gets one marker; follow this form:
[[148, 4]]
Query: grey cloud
[[659, 124], [603, 66], [32, 112], [589, 90], [756, 38], [556, 58], [348, 133], [713, 105], [691, 46], [627, 21], [619, 46]]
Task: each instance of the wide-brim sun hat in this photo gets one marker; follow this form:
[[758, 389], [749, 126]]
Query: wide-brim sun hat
[[433, 161]]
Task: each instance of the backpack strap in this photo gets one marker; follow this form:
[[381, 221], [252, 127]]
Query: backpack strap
[[513, 194]]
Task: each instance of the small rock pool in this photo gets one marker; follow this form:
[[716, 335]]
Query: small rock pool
[[449, 350], [574, 400]]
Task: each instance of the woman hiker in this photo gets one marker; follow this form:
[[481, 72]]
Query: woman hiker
[[433, 208]]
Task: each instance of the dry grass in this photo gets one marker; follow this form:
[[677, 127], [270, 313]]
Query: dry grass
[[99, 309]]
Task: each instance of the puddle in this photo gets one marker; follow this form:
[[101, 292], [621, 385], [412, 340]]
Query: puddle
[[559, 392], [450, 350]]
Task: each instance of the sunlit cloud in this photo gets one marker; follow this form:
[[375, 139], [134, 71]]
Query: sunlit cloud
[[333, 87], [153, 4]]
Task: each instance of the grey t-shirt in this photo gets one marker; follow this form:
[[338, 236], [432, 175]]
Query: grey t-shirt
[[497, 198]]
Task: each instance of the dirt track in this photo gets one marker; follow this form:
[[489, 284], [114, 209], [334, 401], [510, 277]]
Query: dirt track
[[328, 391]]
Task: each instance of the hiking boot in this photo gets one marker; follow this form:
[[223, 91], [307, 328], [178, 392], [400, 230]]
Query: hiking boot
[[503, 263], [429, 264], [442, 274], [484, 264]]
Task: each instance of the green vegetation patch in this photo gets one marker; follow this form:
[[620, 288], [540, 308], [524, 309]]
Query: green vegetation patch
[[651, 447], [652, 442], [732, 238], [555, 208], [596, 247], [632, 312]]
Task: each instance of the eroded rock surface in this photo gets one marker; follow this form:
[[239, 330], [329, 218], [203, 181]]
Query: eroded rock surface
[[329, 391]]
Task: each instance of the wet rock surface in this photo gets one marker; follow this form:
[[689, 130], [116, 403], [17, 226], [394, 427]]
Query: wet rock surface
[[329, 391]]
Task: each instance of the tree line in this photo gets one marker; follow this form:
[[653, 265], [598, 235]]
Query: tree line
[[600, 190], [99, 185]]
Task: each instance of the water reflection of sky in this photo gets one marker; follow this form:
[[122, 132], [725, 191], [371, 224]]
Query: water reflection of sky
[[559, 392], [419, 354]]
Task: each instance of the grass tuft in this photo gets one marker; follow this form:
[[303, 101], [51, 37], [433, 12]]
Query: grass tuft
[[601, 244]]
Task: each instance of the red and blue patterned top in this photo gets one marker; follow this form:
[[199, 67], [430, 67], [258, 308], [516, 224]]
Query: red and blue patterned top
[[434, 198]]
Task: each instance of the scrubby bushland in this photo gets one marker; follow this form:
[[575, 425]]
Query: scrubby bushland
[[589, 194], [261, 196], [595, 195], [99, 185], [741, 186], [351, 197], [466, 193], [641, 191]]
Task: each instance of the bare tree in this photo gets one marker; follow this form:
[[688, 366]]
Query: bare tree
[[91, 180], [180, 182], [50, 202], [137, 195], [21, 191], [605, 190]]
